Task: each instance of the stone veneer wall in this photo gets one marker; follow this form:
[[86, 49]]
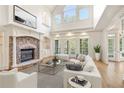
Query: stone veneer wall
[[23, 42], [10, 51]]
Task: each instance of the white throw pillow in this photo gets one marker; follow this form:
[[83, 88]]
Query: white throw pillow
[[88, 58], [81, 57], [74, 61], [88, 68]]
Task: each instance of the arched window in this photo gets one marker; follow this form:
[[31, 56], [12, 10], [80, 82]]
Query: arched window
[[69, 13]]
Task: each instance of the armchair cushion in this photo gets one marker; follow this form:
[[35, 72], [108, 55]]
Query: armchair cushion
[[8, 78], [13, 79], [21, 76]]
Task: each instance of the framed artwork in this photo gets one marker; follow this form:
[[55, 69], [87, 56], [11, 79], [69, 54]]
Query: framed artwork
[[23, 17]]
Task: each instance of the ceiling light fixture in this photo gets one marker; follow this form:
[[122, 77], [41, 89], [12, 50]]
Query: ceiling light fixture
[[83, 33], [57, 35], [69, 34]]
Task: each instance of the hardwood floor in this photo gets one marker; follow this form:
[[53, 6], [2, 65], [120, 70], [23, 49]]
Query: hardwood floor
[[111, 74]]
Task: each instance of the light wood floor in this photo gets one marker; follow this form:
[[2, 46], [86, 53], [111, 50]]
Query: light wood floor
[[111, 74]]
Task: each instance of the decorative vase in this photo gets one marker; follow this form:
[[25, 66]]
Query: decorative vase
[[97, 55]]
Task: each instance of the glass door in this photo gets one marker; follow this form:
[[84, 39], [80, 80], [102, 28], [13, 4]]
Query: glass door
[[84, 46], [66, 46], [72, 46], [57, 47], [111, 47], [122, 47]]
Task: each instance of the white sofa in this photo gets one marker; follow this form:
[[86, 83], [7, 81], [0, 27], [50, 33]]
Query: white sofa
[[15, 79], [63, 56], [93, 76]]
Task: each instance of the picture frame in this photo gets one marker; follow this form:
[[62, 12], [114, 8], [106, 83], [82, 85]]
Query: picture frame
[[24, 17]]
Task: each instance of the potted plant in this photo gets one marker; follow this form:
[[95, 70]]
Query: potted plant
[[97, 52]]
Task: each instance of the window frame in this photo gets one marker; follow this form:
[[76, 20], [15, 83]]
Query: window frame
[[73, 17], [81, 50], [56, 21], [79, 13], [58, 48]]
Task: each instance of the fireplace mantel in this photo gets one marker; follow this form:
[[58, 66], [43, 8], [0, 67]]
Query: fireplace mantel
[[10, 34], [27, 63], [21, 38], [17, 30]]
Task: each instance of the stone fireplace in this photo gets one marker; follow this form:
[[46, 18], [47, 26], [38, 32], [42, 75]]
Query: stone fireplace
[[27, 49]]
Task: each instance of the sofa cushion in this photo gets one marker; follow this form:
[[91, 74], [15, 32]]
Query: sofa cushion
[[8, 78], [88, 58], [88, 68], [81, 57], [21, 76], [74, 60]]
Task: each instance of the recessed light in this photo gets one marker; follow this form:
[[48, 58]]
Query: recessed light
[[111, 35], [69, 34], [57, 35], [83, 33]]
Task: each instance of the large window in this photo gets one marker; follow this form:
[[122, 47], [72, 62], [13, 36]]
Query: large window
[[57, 47], [122, 23], [66, 46], [69, 13], [122, 46], [111, 47], [122, 40], [57, 19], [83, 13], [72, 46], [84, 46]]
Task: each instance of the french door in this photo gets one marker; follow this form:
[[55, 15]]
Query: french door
[[111, 47], [122, 48]]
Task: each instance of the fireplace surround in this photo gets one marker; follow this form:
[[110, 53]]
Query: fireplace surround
[[27, 49]]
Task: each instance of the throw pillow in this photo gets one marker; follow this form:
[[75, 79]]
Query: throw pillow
[[81, 58], [88, 68]]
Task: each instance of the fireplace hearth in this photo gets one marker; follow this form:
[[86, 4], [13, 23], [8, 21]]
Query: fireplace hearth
[[27, 54]]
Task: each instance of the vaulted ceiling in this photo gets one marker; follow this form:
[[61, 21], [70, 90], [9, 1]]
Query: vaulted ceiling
[[107, 16], [51, 8]]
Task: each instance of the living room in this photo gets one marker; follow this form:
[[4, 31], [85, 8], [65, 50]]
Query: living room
[[61, 46]]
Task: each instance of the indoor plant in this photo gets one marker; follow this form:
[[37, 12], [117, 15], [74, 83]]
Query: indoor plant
[[97, 52]]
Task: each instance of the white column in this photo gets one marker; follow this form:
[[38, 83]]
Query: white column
[[14, 51], [105, 47], [117, 47]]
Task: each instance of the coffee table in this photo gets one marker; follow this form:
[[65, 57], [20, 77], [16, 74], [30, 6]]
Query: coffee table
[[50, 68]]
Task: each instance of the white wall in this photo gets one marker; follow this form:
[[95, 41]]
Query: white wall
[[97, 13], [38, 11], [104, 46], [3, 14], [6, 16], [94, 39]]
